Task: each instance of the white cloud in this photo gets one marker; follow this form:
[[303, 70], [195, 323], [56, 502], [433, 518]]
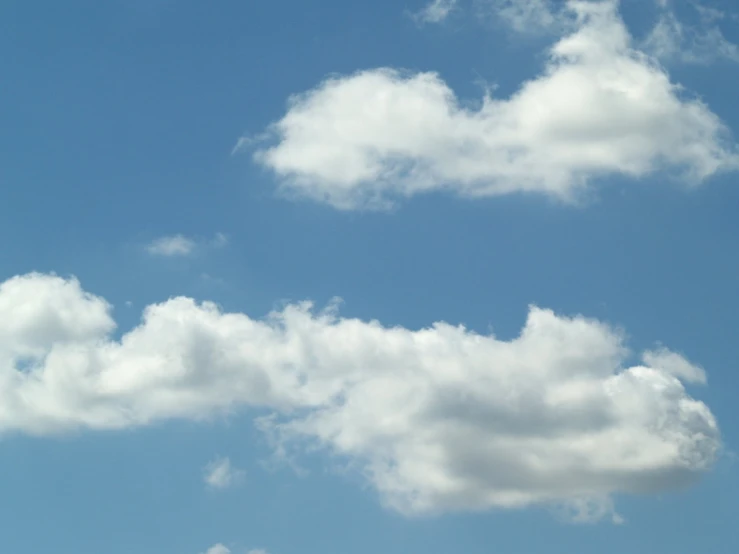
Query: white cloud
[[600, 108], [676, 365], [170, 246], [436, 11], [437, 419], [181, 246], [220, 474], [218, 549], [702, 42]]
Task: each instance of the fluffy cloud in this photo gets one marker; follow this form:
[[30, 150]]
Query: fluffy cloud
[[437, 419], [221, 474], [180, 246], [600, 108]]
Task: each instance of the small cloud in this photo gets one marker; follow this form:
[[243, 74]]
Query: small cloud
[[220, 474], [178, 245], [211, 280], [530, 17], [220, 240], [585, 511], [247, 142], [258, 551], [675, 364], [171, 246], [218, 549], [436, 11]]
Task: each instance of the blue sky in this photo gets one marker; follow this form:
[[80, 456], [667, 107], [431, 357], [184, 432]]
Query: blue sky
[[527, 209]]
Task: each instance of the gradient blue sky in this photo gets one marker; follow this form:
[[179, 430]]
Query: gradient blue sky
[[118, 123]]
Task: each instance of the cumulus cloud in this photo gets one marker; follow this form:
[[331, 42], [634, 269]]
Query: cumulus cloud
[[221, 474], [701, 42], [600, 108], [436, 419], [436, 11], [181, 246]]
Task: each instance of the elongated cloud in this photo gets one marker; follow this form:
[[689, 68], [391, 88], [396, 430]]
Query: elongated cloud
[[171, 246], [523, 16], [437, 419], [600, 108], [218, 549], [179, 245]]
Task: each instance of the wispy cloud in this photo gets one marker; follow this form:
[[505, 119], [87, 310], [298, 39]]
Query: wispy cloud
[[436, 11], [179, 245], [523, 16], [218, 549], [221, 474], [701, 42], [528, 16], [219, 240]]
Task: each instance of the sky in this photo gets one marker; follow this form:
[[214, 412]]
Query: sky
[[340, 277]]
